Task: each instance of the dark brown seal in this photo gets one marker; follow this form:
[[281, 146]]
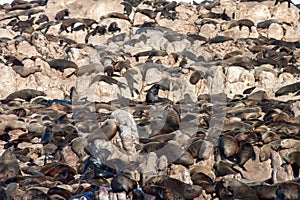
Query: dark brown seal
[[26, 94], [288, 89], [62, 64], [228, 146]]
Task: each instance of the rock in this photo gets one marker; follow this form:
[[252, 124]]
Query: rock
[[100, 7], [275, 31], [181, 173], [6, 33], [280, 173], [257, 171], [254, 12], [181, 26], [153, 76], [140, 18], [128, 130], [186, 12], [26, 50], [8, 81], [208, 30], [69, 156], [290, 15], [292, 33]]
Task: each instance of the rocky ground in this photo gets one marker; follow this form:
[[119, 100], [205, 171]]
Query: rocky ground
[[131, 99]]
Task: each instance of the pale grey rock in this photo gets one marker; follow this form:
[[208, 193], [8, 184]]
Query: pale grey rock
[[215, 80], [290, 15], [266, 80], [8, 82], [243, 33], [181, 26], [181, 173], [186, 12], [6, 33], [178, 46], [153, 76], [253, 11], [162, 165], [207, 30], [234, 74], [292, 33], [179, 88], [296, 108], [148, 166], [25, 50], [156, 40], [279, 173], [140, 18], [275, 31], [89, 9], [257, 171], [40, 42], [128, 130]]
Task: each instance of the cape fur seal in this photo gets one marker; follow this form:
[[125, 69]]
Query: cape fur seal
[[26, 94], [62, 64]]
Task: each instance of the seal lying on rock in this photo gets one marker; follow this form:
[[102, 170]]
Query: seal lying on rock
[[62, 64], [26, 94], [288, 89]]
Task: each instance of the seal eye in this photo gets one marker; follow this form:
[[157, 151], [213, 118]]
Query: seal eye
[[64, 174]]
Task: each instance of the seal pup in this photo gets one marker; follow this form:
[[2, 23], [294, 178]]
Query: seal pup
[[23, 6], [265, 191], [127, 8], [27, 12], [152, 94], [113, 27], [116, 15], [12, 60], [218, 39], [290, 143], [93, 68]]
